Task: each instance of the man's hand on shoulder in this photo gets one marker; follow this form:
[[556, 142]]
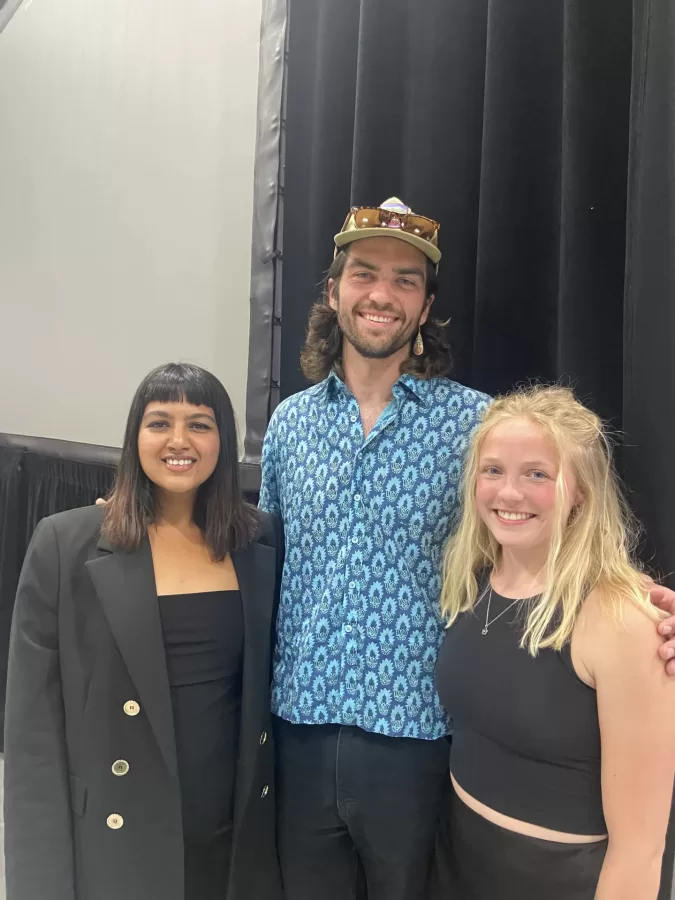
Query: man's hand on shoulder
[[663, 598]]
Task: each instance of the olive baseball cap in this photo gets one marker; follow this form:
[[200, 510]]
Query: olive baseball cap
[[392, 219]]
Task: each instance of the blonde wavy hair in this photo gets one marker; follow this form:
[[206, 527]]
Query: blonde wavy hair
[[591, 551]]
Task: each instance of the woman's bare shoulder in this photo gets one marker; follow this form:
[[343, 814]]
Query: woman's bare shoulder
[[613, 626]]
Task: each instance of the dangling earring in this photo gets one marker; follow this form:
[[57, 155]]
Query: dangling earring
[[418, 346]]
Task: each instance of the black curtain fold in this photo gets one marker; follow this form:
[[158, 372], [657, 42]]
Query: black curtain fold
[[649, 320], [54, 485], [11, 536], [12, 549], [649, 324]]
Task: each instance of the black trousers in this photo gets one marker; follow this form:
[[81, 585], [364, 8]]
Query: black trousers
[[478, 860], [350, 800]]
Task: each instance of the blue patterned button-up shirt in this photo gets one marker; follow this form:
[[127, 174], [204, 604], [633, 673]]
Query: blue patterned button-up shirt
[[365, 522]]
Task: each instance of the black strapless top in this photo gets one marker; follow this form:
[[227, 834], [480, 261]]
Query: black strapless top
[[203, 640]]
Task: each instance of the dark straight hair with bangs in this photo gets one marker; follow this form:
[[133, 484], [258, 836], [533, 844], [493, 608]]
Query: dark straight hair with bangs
[[226, 520]]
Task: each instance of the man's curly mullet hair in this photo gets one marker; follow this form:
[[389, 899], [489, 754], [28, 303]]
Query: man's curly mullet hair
[[322, 352]]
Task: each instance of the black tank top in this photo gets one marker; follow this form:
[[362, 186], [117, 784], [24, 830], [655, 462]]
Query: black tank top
[[526, 737]]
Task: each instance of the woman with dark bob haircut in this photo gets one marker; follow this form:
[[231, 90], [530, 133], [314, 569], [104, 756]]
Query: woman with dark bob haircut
[[138, 743]]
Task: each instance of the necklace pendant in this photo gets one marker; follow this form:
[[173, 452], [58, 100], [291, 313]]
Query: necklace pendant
[[484, 631]]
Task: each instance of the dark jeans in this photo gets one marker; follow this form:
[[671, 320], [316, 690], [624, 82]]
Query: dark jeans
[[348, 799]]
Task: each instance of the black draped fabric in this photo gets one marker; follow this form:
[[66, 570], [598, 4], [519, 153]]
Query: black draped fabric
[[55, 485], [649, 373], [541, 136], [12, 549]]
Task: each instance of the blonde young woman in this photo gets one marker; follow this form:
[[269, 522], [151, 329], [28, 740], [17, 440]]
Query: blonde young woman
[[563, 716]]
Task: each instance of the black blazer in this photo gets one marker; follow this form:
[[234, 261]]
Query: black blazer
[[88, 687]]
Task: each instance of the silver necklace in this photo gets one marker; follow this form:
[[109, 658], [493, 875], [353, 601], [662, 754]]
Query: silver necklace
[[487, 614]]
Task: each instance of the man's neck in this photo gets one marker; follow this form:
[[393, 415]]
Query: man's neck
[[371, 380]]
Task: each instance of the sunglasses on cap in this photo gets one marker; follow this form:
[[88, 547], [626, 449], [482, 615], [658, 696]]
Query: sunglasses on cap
[[375, 217]]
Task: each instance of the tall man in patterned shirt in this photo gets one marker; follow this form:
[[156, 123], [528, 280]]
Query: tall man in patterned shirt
[[364, 470]]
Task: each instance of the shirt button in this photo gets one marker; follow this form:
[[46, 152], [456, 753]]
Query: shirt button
[[263, 738], [265, 791], [120, 767], [353, 418], [131, 708], [348, 628], [355, 540], [357, 498], [352, 584], [115, 821]]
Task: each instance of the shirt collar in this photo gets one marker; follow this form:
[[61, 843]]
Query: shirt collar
[[420, 388], [332, 385]]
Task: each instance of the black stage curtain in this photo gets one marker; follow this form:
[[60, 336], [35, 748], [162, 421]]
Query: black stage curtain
[[12, 549], [54, 485], [649, 348], [540, 135]]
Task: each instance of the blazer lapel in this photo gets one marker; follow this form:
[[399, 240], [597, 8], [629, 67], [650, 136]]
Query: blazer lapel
[[255, 568], [125, 584]]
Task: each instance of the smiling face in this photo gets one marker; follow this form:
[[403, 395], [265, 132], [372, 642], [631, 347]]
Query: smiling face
[[381, 300], [178, 445], [516, 493]]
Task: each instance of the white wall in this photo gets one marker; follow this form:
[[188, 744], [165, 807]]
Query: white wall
[[127, 139]]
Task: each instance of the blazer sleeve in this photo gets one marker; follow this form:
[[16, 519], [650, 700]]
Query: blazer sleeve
[[38, 817]]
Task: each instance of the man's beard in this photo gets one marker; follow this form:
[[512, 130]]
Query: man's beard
[[373, 348]]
